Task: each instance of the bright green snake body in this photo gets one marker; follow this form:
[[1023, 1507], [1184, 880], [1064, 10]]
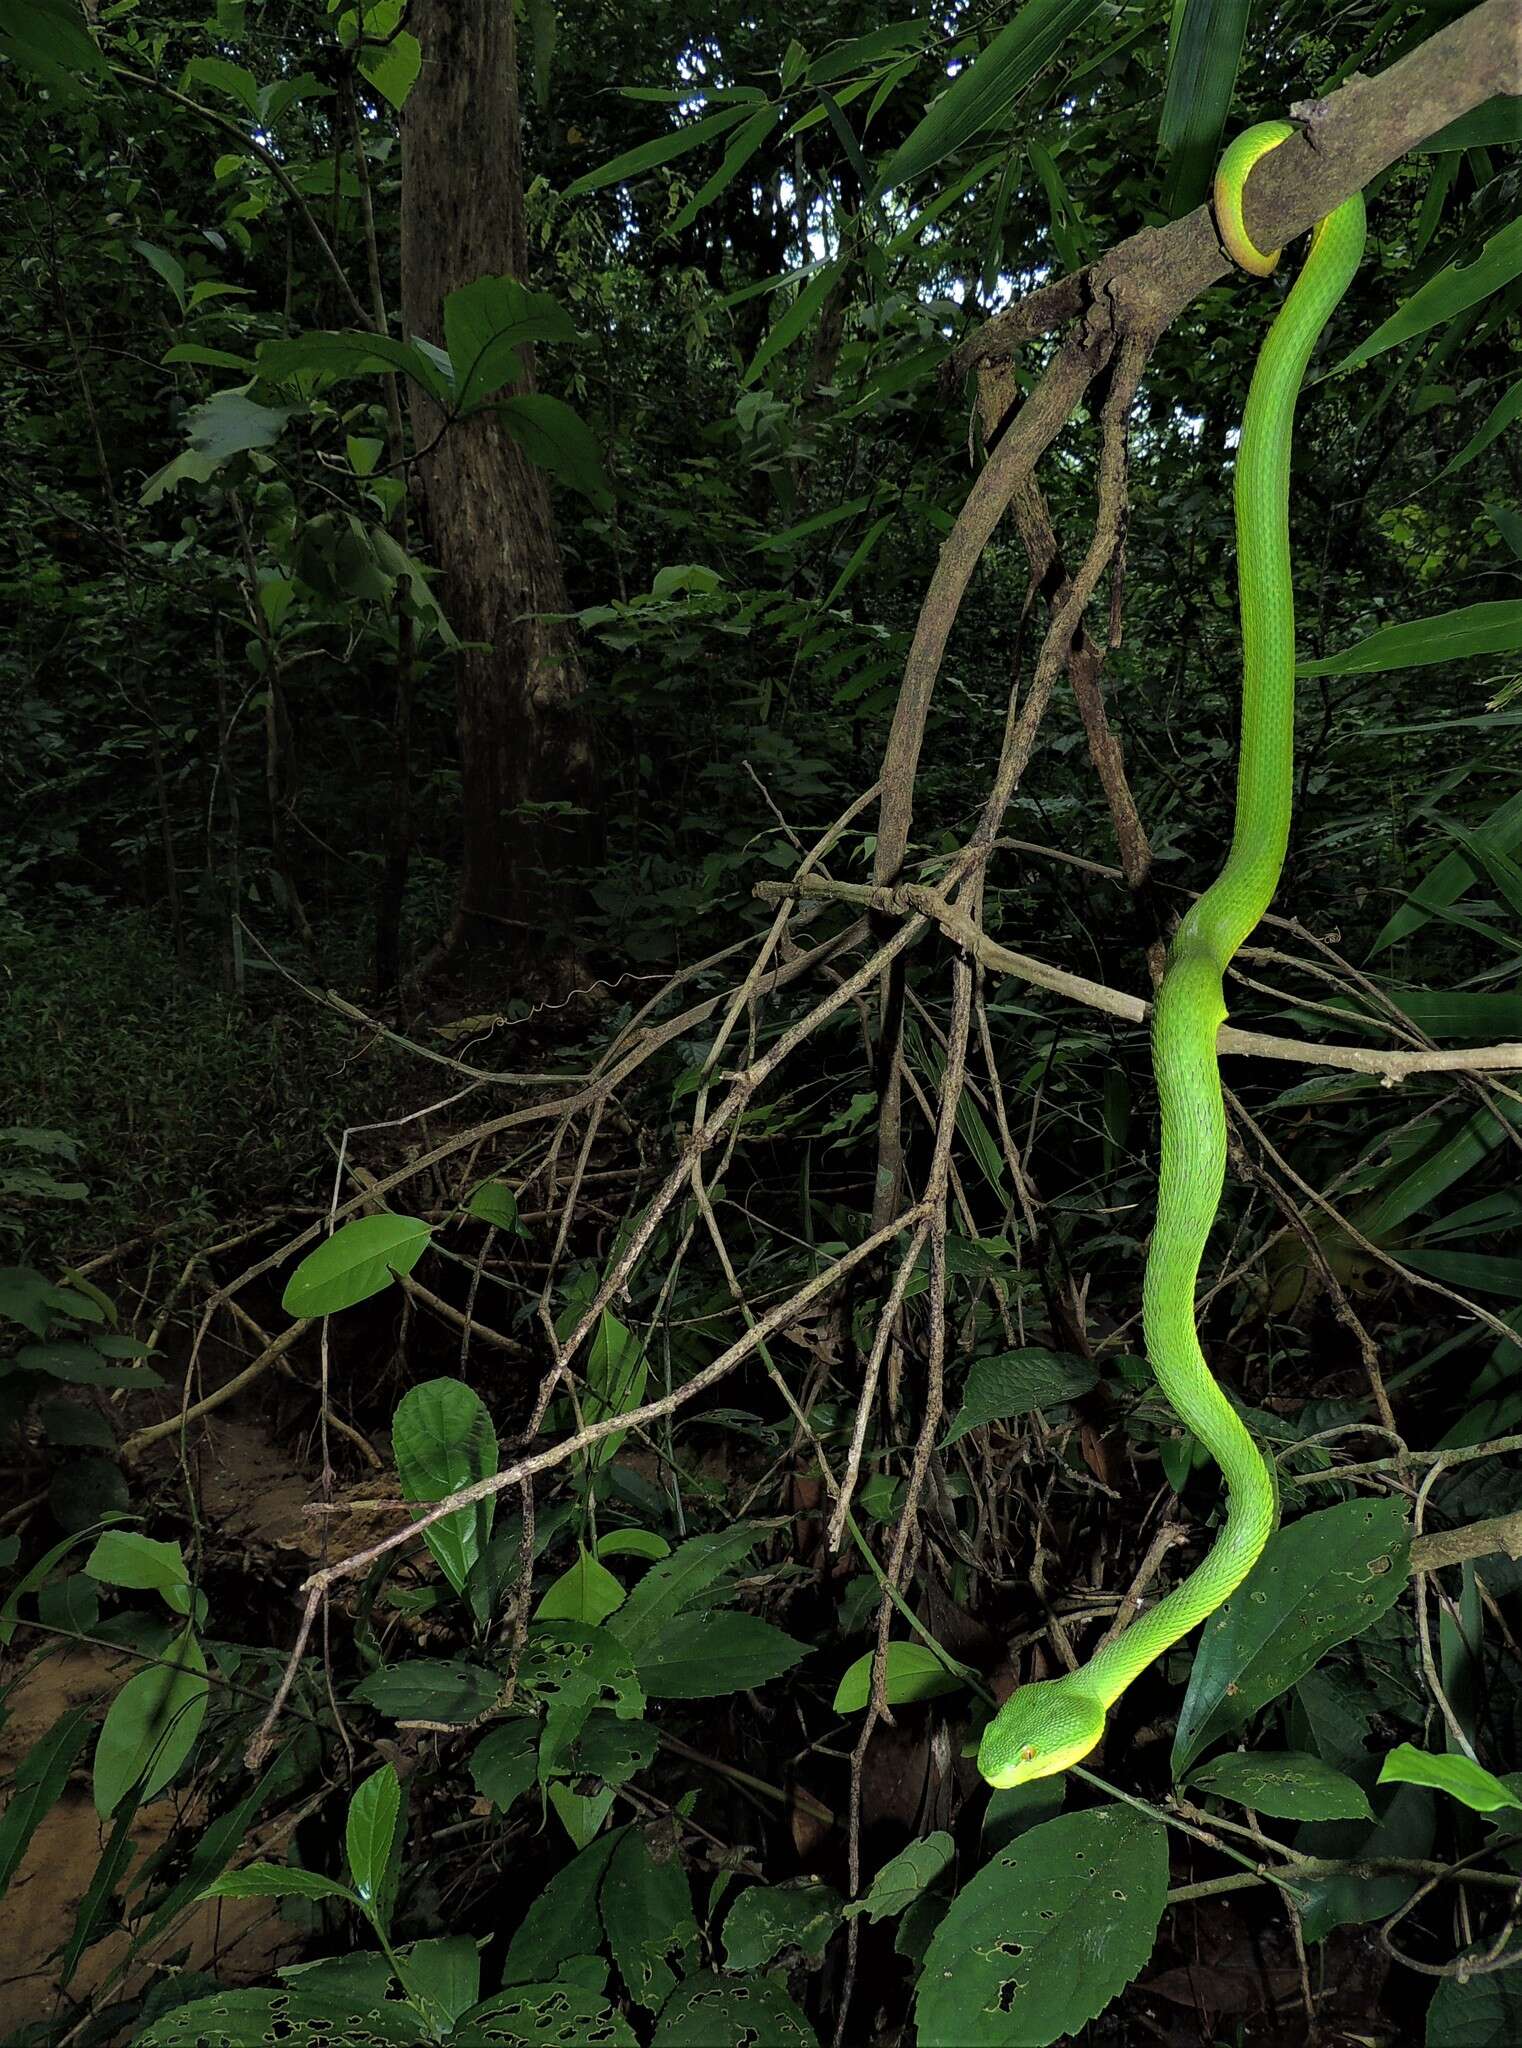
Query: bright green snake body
[[1047, 1726]]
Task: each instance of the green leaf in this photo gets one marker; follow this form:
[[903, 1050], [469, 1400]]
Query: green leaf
[[393, 66], [49, 39], [586, 1591], [347, 354], [801, 1913], [707, 2009], [1459, 1776], [169, 268], [616, 1376], [504, 1764], [675, 1583], [212, 1852], [1045, 1935], [494, 1202], [442, 1439], [784, 330], [982, 93], [902, 1880], [1204, 52], [1453, 875], [1318, 1582], [276, 1881], [613, 1750], [739, 153], [633, 1543], [664, 149], [559, 440], [224, 77], [442, 1975], [151, 1726], [700, 1656], [1506, 410], [1017, 1383], [1453, 291], [553, 2015], [82, 1365], [1282, 1784], [647, 1913], [1494, 628], [40, 1778], [1359, 1891], [914, 1673], [486, 323], [370, 1834], [38, 1574], [1475, 2012], [557, 1922], [360, 1259], [26, 1297], [431, 1689], [123, 1558], [293, 2016], [112, 1866]]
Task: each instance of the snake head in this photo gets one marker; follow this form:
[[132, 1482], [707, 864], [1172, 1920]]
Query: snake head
[[1040, 1730]]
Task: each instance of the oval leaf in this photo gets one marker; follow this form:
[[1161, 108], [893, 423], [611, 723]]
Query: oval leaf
[[700, 1656], [442, 1439], [151, 1726], [914, 1673], [370, 1831], [1284, 1785], [1046, 1934], [1459, 1776], [361, 1258]]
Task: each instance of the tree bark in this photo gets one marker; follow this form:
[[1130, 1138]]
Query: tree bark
[[524, 739]]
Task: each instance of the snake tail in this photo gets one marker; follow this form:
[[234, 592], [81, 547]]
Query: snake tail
[[1046, 1726]]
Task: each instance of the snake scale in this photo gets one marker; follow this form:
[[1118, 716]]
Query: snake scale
[[1046, 1726]]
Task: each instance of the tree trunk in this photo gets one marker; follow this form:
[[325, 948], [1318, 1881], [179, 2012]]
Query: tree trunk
[[524, 741]]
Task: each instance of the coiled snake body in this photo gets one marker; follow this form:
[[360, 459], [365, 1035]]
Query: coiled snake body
[[1046, 1726]]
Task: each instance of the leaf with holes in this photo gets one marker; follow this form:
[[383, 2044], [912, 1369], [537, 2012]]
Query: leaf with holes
[[1318, 1582], [505, 1762], [1044, 1936], [1283, 1784], [545, 2016], [647, 1913], [443, 1439], [295, 2018], [707, 2009], [361, 1258], [800, 1913]]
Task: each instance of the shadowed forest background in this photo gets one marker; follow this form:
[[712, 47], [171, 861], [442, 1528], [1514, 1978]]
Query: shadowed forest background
[[488, 988]]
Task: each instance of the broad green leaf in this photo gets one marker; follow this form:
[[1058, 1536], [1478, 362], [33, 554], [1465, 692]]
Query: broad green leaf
[[431, 1689], [581, 1814], [361, 1258], [442, 1439], [1494, 628], [707, 2009], [983, 91], [633, 1543], [553, 2015], [1459, 1776], [82, 1365], [39, 1573], [293, 2016], [505, 1762], [392, 67], [207, 358], [1017, 1383], [616, 1376], [443, 1974], [664, 149], [1476, 2012], [370, 1833], [560, 1919], [1453, 875], [586, 1591], [800, 1913], [1204, 51], [914, 1673], [1454, 290], [901, 1880], [1359, 1892], [1282, 1784], [486, 323], [151, 1726], [123, 1558], [647, 1913], [700, 1656], [1321, 1580], [347, 354], [613, 1750], [28, 1298], [559, 440], [225, 77], [49, 39], [1495, 124], [1045, 1935], [276, 1881], [40, 1777], [674, 1583], [494, 1202], [169, 268]]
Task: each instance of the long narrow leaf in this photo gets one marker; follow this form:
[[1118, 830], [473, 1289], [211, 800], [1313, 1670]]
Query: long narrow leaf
[[662, 150], [1453, 291], [1204, 54], [1503, 413], [1494, 628]]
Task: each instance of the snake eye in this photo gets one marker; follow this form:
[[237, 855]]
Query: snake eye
[[1028, 1754]]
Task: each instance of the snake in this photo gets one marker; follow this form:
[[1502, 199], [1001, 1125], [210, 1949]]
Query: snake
[[1048, 1725]]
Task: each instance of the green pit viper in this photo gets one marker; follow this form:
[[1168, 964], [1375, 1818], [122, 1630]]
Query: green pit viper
[[1046, 1726]]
